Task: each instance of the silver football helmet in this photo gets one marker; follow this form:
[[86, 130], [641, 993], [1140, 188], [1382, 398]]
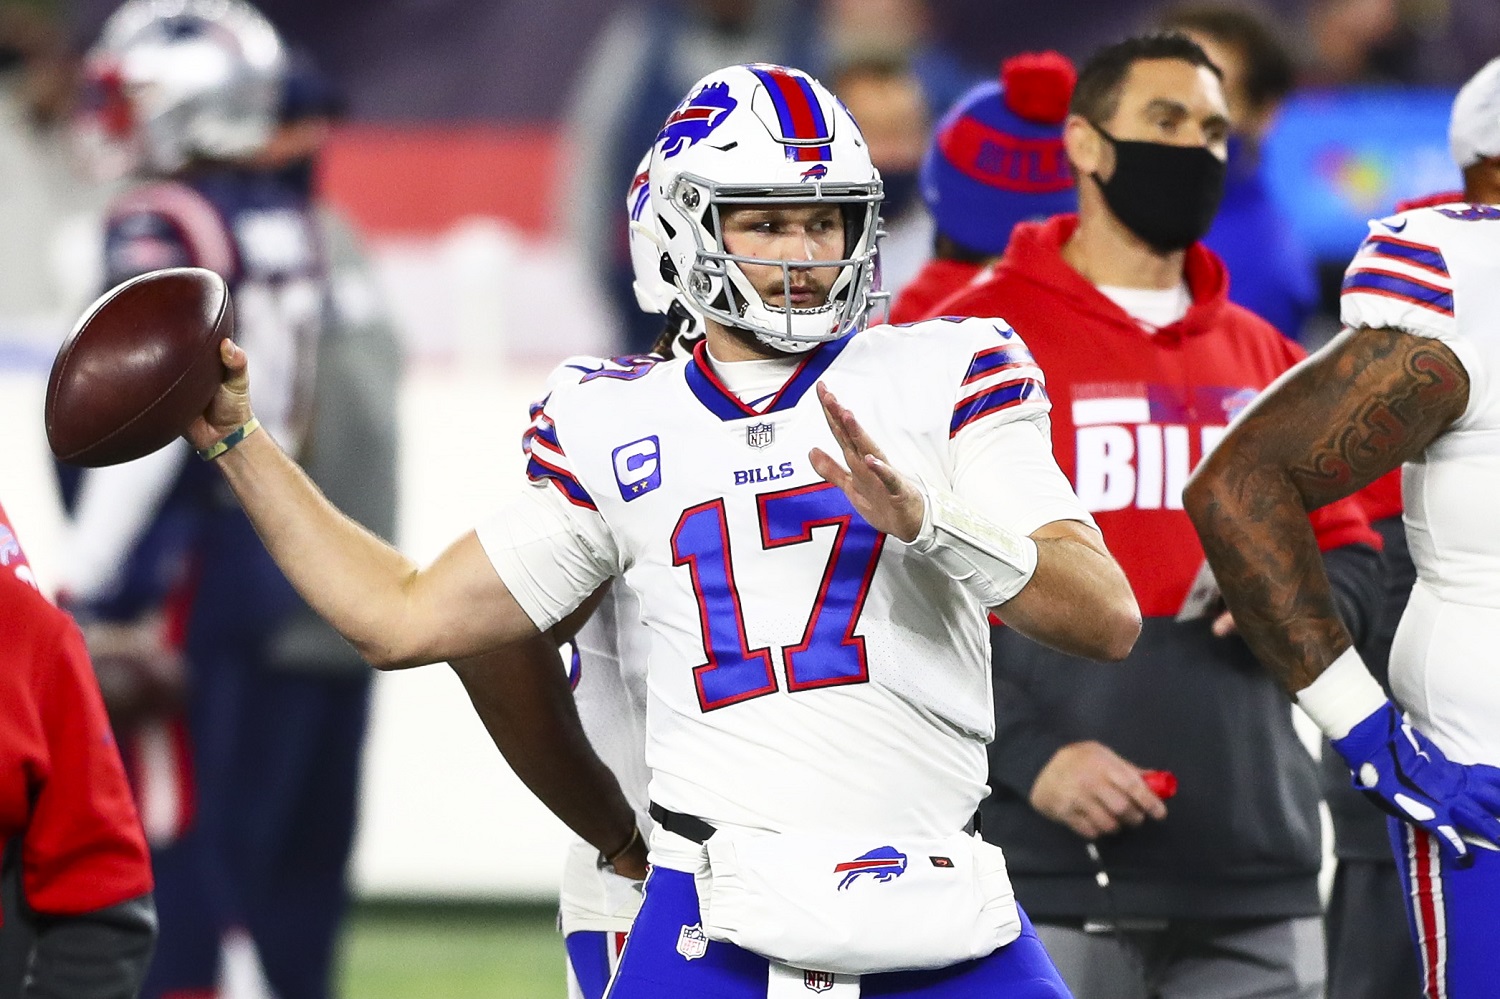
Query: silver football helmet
[[172, 81]]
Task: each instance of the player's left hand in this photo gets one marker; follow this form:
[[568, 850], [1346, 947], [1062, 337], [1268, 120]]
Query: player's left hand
[[883, 496]]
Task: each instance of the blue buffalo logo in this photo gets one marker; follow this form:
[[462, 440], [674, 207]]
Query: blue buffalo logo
[[883, 862], [815, 172], [694, 120]]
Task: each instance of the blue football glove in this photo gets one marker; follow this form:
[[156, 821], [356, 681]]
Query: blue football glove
[[1401, 771]]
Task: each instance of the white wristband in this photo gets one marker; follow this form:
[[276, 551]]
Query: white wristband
[[1344, 695], [991, 562]]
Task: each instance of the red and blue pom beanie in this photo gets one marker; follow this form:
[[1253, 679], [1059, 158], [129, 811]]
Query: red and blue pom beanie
[[997, 157]]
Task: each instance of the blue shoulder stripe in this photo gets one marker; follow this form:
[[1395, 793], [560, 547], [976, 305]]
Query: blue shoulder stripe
[[1401, 288], [985, 403]]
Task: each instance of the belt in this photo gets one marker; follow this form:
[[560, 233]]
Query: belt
[[687, 826], [693, 828]]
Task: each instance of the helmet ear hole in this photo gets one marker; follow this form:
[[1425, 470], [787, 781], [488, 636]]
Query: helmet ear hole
[[854, 225]]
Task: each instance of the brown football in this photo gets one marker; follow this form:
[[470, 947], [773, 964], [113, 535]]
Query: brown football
[[141, 364]]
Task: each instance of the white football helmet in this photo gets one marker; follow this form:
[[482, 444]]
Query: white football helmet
[[654, 293], [171, 81], [758, 135]]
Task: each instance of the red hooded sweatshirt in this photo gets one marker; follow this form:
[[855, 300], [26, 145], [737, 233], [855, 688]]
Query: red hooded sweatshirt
[[937, 280], [1134, 412], [62, 787]]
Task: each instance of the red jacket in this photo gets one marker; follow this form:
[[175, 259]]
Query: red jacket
[[62, 787], [937, 280], [1132, 412]]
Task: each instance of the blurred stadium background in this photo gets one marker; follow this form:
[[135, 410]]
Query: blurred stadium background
[[465, 155]]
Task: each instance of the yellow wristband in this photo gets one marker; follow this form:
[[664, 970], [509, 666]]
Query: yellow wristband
[[234, 437]]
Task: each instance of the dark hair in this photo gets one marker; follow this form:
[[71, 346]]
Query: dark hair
[[945, 247], [666, 341], [1096, 96], [1270, 72]]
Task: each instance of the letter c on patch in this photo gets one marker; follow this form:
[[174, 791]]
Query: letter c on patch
[[638, 467]]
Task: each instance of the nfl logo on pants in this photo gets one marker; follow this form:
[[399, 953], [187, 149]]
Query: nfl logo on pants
[[817, 981]]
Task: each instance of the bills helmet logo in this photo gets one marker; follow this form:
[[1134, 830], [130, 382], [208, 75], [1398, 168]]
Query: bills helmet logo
[[695, 119], [815, 172], [883, 862]]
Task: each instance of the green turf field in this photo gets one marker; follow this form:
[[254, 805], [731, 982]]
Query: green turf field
[[452, 952]]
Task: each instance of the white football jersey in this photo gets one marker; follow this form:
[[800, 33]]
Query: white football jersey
[[805, 671], [1435, 272], [607, 671]]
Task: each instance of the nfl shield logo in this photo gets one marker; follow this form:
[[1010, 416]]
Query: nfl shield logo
[[817, 981], [692, 942], [759, 435]]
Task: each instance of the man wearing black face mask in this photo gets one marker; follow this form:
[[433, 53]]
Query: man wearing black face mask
[[1215, 893]]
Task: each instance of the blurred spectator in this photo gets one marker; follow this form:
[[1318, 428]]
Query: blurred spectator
[[1370, 950], [901, 28], [1270, 272], [996, 160], [1349, 41], [39, 190], [249, 795], [1147, 361], [648, 56], [78, 920], [885, 97]]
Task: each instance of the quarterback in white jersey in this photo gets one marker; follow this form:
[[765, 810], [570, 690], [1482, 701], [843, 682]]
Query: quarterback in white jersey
[[1412, 380], [818, 684]]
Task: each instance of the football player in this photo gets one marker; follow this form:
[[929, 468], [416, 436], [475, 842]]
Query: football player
[[606, 671], [249, 793], [1406, 385], [817, 683]]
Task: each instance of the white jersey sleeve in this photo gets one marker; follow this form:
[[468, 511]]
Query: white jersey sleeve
[[1432, 272], [1000, 437], [550, 545]]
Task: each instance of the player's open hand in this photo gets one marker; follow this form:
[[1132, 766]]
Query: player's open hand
[[230, 408], [882, 495]]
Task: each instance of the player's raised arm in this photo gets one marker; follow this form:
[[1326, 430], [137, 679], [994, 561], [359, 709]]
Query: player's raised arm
[[395, 613], [1368, 402], [1059, 585]]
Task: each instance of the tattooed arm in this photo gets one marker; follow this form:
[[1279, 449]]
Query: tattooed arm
[[1369, 401]]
